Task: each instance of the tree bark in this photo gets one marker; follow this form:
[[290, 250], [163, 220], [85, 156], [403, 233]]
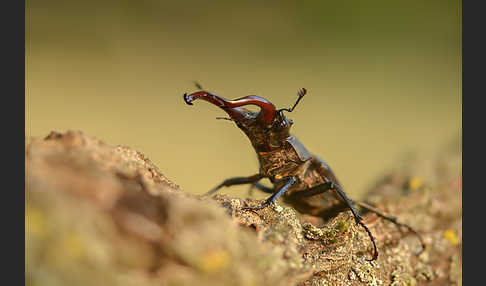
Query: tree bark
[[103, 215]]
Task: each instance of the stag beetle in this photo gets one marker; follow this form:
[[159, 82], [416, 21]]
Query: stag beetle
[[303, 180]]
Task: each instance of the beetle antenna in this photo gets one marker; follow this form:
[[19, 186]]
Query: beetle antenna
[[225, 118], [300, 95], [198, 85]]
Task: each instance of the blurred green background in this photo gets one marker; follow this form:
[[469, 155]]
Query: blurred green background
[[383, 79]]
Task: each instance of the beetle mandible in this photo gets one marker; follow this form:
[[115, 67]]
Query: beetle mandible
[[303, 180]]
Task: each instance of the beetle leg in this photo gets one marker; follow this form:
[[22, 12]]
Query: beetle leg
[[275, 195], [330, 185], [358, 218], [261, 187], [235, 181], [392, 219]]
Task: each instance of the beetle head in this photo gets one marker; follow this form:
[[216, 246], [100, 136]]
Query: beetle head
[[267, 128]]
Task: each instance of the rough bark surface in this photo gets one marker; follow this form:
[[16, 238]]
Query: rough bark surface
[[103, 215]]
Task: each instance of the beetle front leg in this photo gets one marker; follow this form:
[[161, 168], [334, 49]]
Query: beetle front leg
[[275, 195], [235, 181], [261, 187]]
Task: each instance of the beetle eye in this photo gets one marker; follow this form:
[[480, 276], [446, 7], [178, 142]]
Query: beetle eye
[[291, 121]]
